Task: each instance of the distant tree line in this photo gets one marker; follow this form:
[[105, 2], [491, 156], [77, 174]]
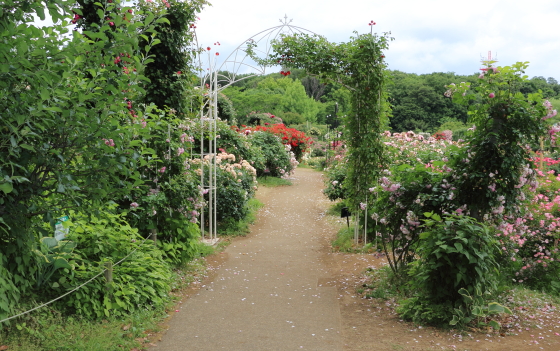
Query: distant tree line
[[418, 101]]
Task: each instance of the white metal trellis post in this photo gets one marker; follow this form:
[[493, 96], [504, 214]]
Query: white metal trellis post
[[211, 83], [208, 157]]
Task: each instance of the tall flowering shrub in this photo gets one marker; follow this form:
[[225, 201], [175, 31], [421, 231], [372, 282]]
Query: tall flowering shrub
[[484, 178], [529, 239], [235, 185], [277, 158], [488, 178], [418, 181], [335, 177], [493, 168], [170, 200], [297, 140]]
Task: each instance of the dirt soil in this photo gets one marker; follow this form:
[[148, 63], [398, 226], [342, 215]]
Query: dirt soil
[[372, 324]]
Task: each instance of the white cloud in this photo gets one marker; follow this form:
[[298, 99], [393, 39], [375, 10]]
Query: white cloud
[[430, 35]]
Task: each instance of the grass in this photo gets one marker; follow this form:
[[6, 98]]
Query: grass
[[305, 165], [383, 284], [271, 182], [344, 241], [314, 162], [48, 329], [335, 209], [555, 103]]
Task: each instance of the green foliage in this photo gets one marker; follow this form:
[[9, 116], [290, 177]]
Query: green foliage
[[232, 142], [358, 65], [422, 312], [231, 227], [272, 182], [169, 199], [9, 292], [416, 182], [68, 136], [235, 185], [291, 118], [276, 160], [168, 72], [232, 197], [475, 307], [456, 252], [51, 256], [226, 111], [283, 97], [345, 242], [458, 128], [140, 281], [52, 331], [549, 87], [418, 103], [335, 176], [457, 256]]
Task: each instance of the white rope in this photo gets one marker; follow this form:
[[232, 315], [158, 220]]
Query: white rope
[[75, 289]]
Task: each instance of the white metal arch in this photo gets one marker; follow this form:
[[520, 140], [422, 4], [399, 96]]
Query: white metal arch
[[237, 63]]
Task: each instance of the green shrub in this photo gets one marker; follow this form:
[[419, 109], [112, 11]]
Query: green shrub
[[242, 227], [169, 200], [334, 180], [235, 185], [276, 158], [420, 311], [140, 281], [456, 253]]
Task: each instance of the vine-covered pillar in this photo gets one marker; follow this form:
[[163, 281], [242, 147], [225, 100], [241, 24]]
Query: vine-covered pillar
[[368, 115], [359, 66]]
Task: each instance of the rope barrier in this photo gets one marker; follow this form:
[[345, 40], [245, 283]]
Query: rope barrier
[[75, 289]]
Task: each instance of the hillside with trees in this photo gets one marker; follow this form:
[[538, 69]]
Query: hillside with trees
[[418, 101]]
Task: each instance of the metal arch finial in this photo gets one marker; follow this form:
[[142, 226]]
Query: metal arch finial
[[285, 21]]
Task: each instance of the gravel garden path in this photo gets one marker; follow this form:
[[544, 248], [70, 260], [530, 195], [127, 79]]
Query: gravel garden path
[[282, 288], [271, 291]]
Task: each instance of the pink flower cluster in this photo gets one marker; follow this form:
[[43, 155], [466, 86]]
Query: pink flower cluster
[[537, 231], [551, 113], [387, 185]]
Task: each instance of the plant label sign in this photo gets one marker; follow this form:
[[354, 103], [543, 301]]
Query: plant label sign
[[59, 230]]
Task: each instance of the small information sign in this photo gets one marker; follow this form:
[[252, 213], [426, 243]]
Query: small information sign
[[60, 231]]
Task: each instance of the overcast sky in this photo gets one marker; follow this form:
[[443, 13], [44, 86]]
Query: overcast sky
[[430, 35]]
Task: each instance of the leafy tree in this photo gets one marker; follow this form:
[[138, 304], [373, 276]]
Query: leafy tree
[[313, 87], [540, 83], [494, 167], [418, 101], [169, 80], [69, 137], [276, 96]]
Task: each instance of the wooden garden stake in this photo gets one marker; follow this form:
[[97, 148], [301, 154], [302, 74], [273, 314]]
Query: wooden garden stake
[[154, 236], [109, 277]]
